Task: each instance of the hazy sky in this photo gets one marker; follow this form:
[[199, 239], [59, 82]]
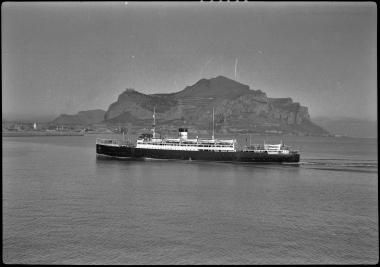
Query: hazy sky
[[66, 57]]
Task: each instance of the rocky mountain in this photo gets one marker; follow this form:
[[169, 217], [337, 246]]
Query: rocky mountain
[[237, 109], [81, 118]]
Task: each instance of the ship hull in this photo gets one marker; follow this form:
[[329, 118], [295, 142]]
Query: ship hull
[[238, 156]]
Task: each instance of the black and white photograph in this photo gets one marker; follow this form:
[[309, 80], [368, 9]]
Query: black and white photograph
[[189, 133]]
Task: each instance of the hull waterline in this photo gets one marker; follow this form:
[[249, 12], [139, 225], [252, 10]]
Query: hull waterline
[[236, 156]]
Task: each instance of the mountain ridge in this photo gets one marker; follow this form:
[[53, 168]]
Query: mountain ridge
[[236, 106]]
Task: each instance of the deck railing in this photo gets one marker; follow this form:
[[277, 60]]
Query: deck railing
[[104, 141], [113, 142]]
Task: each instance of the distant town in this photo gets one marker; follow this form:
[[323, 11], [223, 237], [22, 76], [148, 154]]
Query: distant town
[[22, 128], [12, 128]]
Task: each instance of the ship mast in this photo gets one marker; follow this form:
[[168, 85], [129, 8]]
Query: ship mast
[[212, 123], [154, 122]]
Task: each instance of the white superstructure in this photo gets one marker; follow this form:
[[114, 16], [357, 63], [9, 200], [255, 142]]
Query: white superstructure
[[270, 149], [183, 143]]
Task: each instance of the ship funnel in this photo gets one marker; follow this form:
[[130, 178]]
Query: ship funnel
[[182, 132]]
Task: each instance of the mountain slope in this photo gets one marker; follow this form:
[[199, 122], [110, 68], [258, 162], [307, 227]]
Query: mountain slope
[[81, 118]]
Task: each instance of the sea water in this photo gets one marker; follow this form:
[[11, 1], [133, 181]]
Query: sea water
[[64, 205]]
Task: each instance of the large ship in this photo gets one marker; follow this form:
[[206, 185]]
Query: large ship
[[184, 148]]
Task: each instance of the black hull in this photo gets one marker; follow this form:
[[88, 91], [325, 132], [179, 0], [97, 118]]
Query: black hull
[[239, 156]]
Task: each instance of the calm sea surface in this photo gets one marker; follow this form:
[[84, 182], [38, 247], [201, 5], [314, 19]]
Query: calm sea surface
[[63, 205]]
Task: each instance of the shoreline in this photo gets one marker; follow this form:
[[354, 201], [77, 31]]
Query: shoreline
[[72, 133], [30, 133]]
